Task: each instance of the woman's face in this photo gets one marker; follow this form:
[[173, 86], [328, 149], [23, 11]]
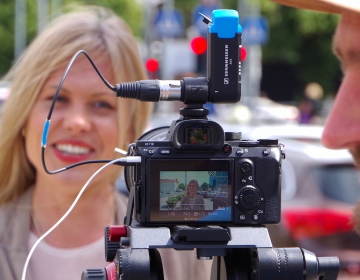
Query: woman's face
[[84, 123], [192, 189]]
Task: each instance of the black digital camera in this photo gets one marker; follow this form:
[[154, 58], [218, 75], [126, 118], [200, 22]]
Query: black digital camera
[[236, 182]]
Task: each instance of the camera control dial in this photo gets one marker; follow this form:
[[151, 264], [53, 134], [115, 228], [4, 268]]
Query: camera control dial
[[232, 136], [248, 198]]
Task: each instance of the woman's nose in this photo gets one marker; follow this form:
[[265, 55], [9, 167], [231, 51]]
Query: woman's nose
[[342, 127], [77, 120]]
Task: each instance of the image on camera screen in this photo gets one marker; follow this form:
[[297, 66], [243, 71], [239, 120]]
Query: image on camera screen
[[195, 195]]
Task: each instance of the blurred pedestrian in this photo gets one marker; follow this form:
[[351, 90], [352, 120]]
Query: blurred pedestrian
[[310, 105]]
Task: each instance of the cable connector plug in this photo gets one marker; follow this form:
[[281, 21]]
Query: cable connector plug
[[128, 161]]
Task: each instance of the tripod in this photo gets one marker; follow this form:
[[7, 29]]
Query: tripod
[[241, 253]]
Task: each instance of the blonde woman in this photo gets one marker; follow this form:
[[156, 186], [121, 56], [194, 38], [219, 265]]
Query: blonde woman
[[87, 123], [192, 201]]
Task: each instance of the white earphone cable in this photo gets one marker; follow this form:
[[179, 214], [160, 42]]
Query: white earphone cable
[[64, 216]]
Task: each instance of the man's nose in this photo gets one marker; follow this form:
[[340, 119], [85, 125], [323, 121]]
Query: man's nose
[[342, 127], [77, 120]]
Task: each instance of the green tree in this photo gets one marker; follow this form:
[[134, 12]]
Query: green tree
[[205, 186], [302, 39], [7, 13], [128, 9]]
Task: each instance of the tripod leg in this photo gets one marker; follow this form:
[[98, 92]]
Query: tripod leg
[[234, 265], [238, 264], [156, 268], [218, 270]]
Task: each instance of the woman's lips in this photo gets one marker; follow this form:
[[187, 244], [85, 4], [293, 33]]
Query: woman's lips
[[72, 151]]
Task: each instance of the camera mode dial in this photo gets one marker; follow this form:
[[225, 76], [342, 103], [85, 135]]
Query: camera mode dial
[[232, 136], [248, 198]]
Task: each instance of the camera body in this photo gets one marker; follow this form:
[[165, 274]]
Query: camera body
[[238, 181], [192, 172]]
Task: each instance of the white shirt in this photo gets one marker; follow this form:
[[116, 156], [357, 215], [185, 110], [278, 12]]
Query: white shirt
[[48, 262]]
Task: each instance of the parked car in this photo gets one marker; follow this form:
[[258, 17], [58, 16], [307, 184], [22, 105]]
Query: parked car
[[220, 199], [257, 110], [320, 188], [204, 194]]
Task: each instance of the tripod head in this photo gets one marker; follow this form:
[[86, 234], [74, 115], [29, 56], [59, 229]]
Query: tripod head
[[243, 253]]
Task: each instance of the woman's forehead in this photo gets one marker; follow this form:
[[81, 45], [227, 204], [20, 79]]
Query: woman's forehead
[[81, 68]]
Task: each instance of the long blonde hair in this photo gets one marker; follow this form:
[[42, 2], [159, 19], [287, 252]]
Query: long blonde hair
[[96, 30]]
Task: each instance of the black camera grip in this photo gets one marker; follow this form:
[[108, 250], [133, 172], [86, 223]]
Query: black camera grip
[[267, 179]]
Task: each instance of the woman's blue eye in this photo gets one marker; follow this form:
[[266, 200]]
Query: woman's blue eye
[[58, 99], [61, 99], [102, 104]]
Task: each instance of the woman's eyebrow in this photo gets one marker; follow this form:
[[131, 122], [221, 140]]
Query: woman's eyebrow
[[105, 92], [54, 87]]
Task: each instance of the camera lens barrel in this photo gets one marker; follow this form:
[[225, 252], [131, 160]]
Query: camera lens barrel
[[292, 263]]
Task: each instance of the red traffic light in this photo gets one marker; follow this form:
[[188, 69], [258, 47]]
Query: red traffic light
[[242, 53], [152, 65], [198, 45]]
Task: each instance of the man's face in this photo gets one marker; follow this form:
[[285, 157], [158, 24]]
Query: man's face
[[342, 128]]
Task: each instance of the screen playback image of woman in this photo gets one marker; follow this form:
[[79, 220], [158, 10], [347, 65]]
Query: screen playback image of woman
[[195, 195]]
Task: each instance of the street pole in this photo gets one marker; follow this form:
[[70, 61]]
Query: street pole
[[56, 8], [42, 9], [20, 27], [251, 68]]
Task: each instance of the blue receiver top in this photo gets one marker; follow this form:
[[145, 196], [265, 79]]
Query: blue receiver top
[[225, 23]]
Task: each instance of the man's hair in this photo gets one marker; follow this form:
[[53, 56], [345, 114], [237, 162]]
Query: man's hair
[[99, 32]]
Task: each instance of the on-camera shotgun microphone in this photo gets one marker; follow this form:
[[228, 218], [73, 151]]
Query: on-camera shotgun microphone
[[223, 81]]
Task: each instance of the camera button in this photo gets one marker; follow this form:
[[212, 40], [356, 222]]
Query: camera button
[[165, 152], [245, 167], [266, 152], [226, 149], [240, 152], [151, 151]]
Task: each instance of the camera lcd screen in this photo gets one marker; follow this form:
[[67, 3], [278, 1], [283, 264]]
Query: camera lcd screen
[[191, 191], [197, 136]]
